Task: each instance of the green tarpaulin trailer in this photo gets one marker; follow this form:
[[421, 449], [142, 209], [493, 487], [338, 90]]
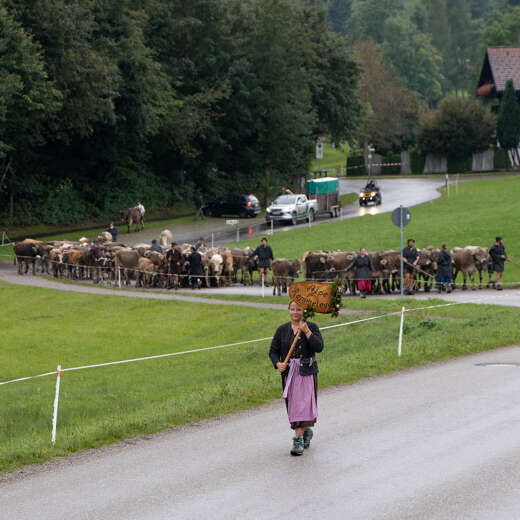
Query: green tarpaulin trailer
[[326, 192]]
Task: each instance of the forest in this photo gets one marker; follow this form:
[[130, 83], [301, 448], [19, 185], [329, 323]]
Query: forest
[[103, 103]]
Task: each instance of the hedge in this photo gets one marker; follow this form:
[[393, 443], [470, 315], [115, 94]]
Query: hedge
[[501, 160], [458, 165], [356, 166]]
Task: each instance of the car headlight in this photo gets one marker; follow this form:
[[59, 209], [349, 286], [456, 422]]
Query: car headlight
[[372, 193], [268, 210], [361, 194]]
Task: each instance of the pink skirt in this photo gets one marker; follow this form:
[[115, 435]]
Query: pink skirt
[[364, 285], [300, 394]]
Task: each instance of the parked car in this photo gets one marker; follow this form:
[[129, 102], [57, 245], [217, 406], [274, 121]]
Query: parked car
[[291, 208], [233, 204]]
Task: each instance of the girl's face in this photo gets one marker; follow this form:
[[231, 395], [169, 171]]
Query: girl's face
[[295, 312]]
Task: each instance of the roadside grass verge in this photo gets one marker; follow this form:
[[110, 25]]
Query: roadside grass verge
[[348, 198], [41, 328], [478, 212]]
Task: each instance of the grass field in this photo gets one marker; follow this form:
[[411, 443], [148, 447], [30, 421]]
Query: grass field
[[333, 158], [42, 328], [474, 215]]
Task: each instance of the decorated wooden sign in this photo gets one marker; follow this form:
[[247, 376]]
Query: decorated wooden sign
[[318, 295]]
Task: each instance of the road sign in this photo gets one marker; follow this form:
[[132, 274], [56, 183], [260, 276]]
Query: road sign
[[319, 149], [232, 222], [396, 216]]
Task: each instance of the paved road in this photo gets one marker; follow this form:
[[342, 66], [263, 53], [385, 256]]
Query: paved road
[[408, 192], [438, 442]]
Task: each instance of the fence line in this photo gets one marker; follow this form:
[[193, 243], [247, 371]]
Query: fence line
[[217, 347]]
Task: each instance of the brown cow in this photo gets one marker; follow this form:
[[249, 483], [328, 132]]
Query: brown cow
[[131, 216], [227, 265], [481, 259], [125, 262], [145, 273], [463, 261], [284, 273], [338, 262], [26, 253], [316, 265]]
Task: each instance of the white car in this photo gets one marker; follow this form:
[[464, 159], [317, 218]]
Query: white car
[[293, 207]]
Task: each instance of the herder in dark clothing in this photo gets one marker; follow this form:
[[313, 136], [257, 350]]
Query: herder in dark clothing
[[363, 267], [410, 259], [498, 255], [443, 278], [113, 231], [265, 255], [156, 246], [196, 268]]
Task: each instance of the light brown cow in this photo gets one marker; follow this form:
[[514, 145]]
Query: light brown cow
[[463, 261], [165, 238], [481, 258], [284, 273], [125, 262]]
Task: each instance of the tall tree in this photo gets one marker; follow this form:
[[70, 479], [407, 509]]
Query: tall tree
[[508, 122], [392, 110], [27, 98], [415, 60]]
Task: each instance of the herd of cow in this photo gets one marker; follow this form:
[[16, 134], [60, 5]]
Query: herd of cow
[[324, 265], [109, 262]]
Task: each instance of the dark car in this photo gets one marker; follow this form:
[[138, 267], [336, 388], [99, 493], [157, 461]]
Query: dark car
[[370, 194], [233, 204]]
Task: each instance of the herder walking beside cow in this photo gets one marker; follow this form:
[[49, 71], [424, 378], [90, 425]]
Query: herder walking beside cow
[[443, 278], [364, 268], [498, 255], [265, 255], [410, 259]]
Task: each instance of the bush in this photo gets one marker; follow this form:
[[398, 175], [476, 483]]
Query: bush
[[64, 204], [417, 162], [501, 160], [457, 165], [391, 158], [356, 165], [459, 127]]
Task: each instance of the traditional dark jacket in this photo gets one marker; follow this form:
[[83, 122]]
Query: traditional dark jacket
[[196, 267], [495, 252], [363, 267], [444, 265], [411, 254], [283, 338], [265, 255], [113, 231]]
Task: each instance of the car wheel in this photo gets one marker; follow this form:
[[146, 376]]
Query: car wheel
[[208, 212], [244, 214], [294, 220], [310, 218]]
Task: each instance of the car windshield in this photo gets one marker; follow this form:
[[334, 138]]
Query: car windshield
[[285, 199]]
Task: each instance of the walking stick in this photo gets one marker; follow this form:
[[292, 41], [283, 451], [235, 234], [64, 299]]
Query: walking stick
[[295, 340]]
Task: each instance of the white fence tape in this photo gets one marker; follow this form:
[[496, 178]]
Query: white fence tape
[[216, 347]]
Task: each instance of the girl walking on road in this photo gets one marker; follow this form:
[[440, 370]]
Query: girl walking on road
[[299, 374]]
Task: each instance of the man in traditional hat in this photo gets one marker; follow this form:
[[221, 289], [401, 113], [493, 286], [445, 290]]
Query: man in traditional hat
[[410, 259], [265, 255]]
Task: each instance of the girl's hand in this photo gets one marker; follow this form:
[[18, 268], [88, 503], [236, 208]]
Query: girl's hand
[[281, 366], [305, 328]]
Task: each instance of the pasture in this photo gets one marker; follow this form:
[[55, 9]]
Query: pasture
[[474, 215], [42, 328]]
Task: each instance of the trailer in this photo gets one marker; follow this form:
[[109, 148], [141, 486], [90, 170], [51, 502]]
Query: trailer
[[325, 191]]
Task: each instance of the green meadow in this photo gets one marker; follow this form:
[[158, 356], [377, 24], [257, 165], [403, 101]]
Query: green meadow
[[43, 328]]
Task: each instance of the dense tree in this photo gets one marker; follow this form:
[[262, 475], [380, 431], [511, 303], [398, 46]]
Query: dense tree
[[459, 127], [27, 97], [508, 122], [413, 57], [367, 19], [392, 110]]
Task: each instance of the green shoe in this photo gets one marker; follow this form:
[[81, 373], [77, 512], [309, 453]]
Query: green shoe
[[297, 448], [307, 436]]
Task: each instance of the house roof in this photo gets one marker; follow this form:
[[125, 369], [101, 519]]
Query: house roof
[[505, 64]]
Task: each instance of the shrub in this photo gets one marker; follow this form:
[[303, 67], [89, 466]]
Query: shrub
[[501, 160], [417, 162], [457, 165], [459, 127], [391, 158], [356, 165]]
